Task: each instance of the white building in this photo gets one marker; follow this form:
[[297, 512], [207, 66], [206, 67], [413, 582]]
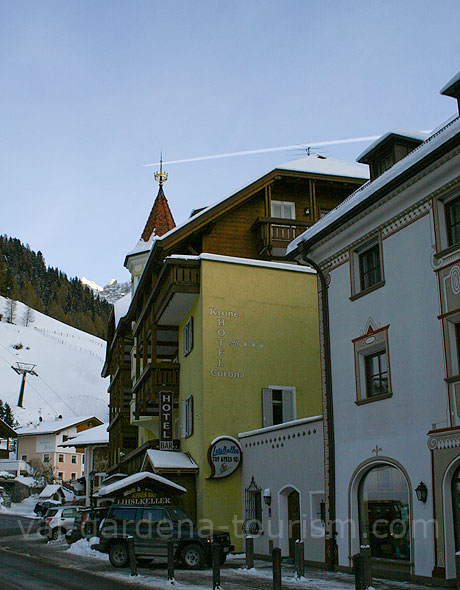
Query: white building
[[95, 444], [390, 254], [283, 488]]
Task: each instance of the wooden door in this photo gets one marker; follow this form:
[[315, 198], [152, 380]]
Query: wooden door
[[294, 521]]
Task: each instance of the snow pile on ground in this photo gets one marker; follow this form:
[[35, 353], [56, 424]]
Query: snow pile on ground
[[83, 547], [24, 508], [68, 363]]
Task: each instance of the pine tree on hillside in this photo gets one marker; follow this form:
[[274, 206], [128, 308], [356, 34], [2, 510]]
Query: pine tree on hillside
[[6, 414], [25, 277]]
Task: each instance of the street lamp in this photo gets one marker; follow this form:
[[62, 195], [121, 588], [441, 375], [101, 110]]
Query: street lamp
[[92, 477], [422, 492]]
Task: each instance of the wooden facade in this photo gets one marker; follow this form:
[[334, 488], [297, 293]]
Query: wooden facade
[[142, 351]]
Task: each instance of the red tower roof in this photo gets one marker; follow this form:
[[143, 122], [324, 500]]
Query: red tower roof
[[160, 220]]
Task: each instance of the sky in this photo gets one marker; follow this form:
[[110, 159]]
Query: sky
[[92, 90]]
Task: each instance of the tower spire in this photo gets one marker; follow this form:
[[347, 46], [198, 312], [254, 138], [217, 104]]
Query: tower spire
[[161, 177], [160, 220]]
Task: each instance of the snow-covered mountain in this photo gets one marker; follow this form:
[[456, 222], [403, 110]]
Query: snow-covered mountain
[[112, 292], [68, 364], [91, 284]]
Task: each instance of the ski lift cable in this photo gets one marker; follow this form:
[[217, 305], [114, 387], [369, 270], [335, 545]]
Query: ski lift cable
[[31, 386], [312, 144], [57, 395], [42, 398], [47, 384]]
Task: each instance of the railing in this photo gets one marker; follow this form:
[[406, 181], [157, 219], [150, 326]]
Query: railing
[[277, 232], [177, 276], [155, 377]]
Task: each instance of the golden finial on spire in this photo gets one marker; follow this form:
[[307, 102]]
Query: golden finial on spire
[[161, 176]]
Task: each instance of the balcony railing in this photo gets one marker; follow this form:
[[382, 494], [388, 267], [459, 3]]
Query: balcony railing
[[277, 232], [178, 277], [154, 378]]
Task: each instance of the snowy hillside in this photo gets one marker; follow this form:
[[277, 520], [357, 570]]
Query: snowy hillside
[[68, 363]]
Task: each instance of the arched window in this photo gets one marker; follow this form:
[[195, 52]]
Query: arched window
[[384, 513]]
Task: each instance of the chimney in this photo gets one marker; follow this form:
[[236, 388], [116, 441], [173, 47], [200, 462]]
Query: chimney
[[452, 89]]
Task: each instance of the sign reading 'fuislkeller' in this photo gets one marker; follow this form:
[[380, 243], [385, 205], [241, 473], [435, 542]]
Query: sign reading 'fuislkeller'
[[166, 420], [224, 456]]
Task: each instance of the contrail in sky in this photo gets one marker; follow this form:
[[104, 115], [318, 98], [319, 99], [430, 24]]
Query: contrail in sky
[[265, 150]]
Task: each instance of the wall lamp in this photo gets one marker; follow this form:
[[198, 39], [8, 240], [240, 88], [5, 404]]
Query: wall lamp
[[267, 496], [422, 492]]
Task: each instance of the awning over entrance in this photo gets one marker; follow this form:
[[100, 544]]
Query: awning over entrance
[[142, 488], [164, 461]]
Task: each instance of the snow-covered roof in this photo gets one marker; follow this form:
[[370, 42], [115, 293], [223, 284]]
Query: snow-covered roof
[[420, 135], [244, 261], [50, 490], [142, 246], [92, 436], [281, 426], [318, 164], [305, 164], [53, 425], [131, 480], [120, 307], [170, 460], [361, 195], [451, 85]]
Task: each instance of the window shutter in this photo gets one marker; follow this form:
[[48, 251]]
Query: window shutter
[[288, 405], [183, 419], [267, 407], [189, 415]]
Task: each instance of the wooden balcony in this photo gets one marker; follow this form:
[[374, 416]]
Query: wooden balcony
[[173, 294], [275, 233], [154, 378]]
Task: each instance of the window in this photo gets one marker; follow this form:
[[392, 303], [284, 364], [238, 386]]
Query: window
[[46, 458], [154, 515], [23, 457], [253, 509], [60, 475], [372, 366], [186, 416], [370, 272], [73, 476], [376, 373], [188, 337], [74, 459], [61, 458], [278, 405], [366, 267], [452, 214], [283, 209]]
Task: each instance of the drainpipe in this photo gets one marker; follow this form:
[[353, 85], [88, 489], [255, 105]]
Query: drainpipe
[[328, 403]]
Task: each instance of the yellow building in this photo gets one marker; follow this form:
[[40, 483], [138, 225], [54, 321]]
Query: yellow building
[[210, 345], [248, 356]]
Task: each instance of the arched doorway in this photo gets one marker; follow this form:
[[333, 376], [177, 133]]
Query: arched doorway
[[384, 516], [290, 522], [293, 500], [455, 490]]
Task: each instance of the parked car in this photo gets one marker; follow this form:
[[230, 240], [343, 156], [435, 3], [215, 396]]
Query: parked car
[[58, 520], [41, 507], [151, 527], [86, 524]]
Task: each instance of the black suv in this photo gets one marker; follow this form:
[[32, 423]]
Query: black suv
[[151, 527]]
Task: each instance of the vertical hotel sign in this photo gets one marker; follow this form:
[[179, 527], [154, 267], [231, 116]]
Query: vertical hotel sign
[[166, 420]]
